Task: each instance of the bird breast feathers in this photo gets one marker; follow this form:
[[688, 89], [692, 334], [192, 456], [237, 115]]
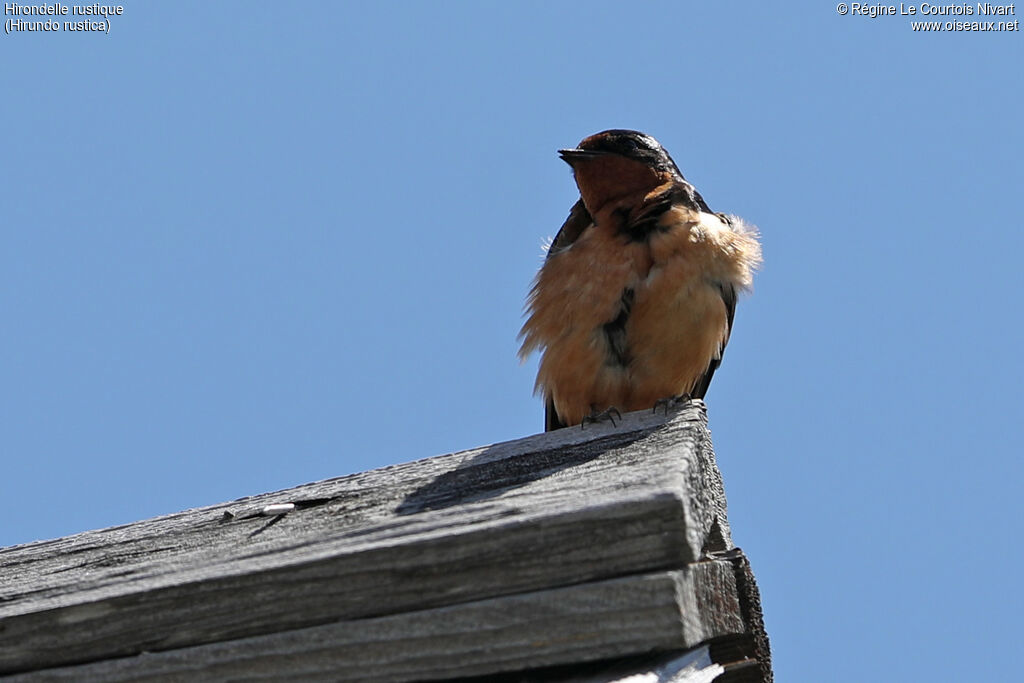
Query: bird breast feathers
[[721, 248]]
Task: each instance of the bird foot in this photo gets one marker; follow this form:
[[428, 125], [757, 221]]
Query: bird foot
[[610, 414], [671, 402]]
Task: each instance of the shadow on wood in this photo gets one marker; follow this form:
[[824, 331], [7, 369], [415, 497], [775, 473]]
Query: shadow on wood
[[491, 473]]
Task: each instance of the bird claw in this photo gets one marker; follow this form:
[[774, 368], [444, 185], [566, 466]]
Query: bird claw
[[670, 402], [610, 414]]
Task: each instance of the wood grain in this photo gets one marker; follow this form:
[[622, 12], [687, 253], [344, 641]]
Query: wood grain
[[568, 507], [572, 624]]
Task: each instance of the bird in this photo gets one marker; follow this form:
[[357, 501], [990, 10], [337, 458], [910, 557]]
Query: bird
[[634, 303]]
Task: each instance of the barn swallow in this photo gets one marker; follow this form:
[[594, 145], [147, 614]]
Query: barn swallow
[[635, 301]]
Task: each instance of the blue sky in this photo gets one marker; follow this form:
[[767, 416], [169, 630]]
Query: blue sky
[[248, 245]]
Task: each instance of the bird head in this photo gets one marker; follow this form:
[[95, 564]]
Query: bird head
[[618, 163]]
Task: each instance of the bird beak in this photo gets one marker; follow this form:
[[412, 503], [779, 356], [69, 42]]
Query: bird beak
[[571, 156]]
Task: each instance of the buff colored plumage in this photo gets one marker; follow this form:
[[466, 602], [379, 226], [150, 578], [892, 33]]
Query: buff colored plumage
[[635, 301]]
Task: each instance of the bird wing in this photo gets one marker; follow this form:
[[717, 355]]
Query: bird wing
[[729, 299], [579, 220]]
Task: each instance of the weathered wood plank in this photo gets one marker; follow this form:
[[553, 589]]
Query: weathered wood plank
[[580, 623], [550, 510], [747, 658], [739, 657]]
